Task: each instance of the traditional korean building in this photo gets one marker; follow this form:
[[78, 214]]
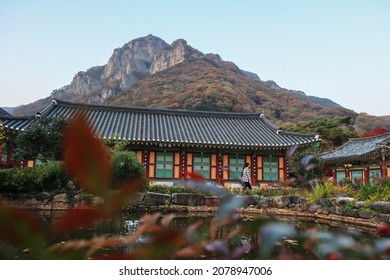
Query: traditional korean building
[[360, 159], [6, 158], [171, 143]]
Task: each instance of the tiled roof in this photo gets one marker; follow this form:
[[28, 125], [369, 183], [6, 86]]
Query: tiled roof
[[359, 149], [147, 125]]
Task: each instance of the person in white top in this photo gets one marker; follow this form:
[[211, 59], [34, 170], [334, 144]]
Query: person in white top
[[246, 177]]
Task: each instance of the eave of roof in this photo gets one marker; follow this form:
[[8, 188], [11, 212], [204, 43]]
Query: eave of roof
[[359, 149]]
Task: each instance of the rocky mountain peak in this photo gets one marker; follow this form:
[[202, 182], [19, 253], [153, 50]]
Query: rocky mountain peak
[[177, 52], [127, 65]]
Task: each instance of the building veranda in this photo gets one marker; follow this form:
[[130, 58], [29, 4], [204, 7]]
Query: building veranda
[[173, 143]]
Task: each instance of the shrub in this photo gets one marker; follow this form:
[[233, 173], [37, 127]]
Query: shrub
[[320, 191], [270, 192], [46, 177], [52, 176], [18, 180], [125, 165], [379, 190], [166, 189]]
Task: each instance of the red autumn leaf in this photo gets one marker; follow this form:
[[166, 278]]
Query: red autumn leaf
[[190, 251], [334, 256], [196, 177], [121, 197], [19, 226], [76, 218], [86, 157]]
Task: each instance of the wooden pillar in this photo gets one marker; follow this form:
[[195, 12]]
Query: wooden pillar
[[334, 176], [384, 167], [183, 166], [347, 166], [219, 168], [146, 161], [254, 169], [366, 174]]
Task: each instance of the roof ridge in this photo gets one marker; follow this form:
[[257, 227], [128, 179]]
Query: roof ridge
[[59, 102], [385, 135]]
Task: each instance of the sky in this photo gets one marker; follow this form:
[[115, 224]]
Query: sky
[[332, 49]]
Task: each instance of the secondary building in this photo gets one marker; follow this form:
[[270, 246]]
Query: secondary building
[[360, 159], [172, 143]]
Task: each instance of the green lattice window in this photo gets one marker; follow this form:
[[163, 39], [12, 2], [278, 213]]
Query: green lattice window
[[236, 163], [374, 174], [340, 176], [356, 175], [164, 165], [202, 165], [270, 168]]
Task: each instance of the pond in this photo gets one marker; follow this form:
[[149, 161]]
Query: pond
[[126, 224]]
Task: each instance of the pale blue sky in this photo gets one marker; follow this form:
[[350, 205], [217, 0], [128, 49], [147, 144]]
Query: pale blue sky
[[334, 49]]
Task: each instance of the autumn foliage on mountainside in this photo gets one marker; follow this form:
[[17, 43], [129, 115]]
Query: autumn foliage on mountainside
[[375, 132], [202, 84]]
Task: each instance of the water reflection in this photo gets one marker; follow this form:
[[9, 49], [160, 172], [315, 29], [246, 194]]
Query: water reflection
[[127, 224]]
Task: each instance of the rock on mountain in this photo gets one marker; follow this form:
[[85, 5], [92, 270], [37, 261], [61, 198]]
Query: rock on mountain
[[126, 66], [136, 60]]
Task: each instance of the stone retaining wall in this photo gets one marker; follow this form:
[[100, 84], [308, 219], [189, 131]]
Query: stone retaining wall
[[337, 208]]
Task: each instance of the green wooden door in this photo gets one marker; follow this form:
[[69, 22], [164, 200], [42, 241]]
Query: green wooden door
[[236, 163], [202, 165], [270, 168], [164, 165]]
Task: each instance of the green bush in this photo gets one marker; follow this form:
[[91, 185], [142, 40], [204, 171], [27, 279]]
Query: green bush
[[379, 190], [271, 192], [125, 165], [320, 191], [46, 177], [18, 180], [52, 176]]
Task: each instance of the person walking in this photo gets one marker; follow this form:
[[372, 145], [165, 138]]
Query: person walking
[[246, 177]]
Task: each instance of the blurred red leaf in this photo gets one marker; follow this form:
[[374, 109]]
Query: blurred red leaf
[[76, 218], [190, 251], [20, 227], [121, 197], [196, 177], [86, 157]]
